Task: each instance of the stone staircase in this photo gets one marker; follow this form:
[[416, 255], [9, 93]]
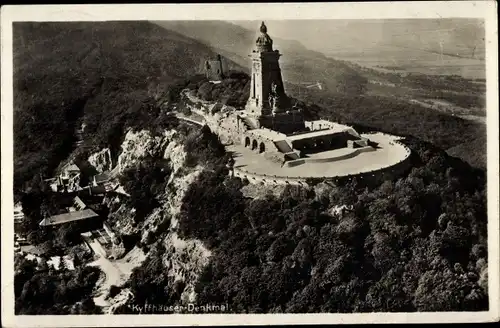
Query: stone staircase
[[291, 156], [284, 147]]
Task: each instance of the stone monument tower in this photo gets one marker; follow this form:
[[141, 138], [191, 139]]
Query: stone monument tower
[[267, 94], [268, 106]]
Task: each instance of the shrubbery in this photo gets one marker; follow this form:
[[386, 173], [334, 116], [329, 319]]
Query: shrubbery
[[234, 90], [151, 283], [203, 147]]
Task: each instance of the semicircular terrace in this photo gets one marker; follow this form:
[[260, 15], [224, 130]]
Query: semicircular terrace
[[390, 155]]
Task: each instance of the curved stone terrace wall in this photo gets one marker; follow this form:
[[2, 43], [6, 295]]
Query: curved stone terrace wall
[[268, 179], [377, 175]]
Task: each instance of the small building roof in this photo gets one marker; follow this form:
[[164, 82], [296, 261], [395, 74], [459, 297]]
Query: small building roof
[[68, 217], [71, 167], [102, 177]]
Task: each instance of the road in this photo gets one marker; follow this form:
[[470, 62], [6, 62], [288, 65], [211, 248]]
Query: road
[[116, 272]]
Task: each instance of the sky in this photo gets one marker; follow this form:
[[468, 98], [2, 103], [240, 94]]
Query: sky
[[332, 36]]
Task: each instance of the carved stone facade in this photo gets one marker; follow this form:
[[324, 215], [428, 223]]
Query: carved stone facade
[[268, 104]]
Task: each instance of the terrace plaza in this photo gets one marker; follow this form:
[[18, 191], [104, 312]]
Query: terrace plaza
[[332, 163]]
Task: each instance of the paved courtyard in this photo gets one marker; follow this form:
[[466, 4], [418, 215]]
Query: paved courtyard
[[387, 154]]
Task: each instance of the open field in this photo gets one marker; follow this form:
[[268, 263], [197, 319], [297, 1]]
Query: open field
[[391, 59]]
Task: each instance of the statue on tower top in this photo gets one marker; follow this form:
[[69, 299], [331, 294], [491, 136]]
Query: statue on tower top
[[264, 42], [263, 28]]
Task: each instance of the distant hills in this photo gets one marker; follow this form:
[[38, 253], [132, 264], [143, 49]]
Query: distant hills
[[298, 63], [412, 44], [458, 36]]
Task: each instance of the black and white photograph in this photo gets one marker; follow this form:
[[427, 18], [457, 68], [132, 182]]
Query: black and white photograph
[[249, 159]]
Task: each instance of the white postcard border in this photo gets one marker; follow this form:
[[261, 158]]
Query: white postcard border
[[261, 11]]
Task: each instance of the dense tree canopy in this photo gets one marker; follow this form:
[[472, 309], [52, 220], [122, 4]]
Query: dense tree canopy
[[143, 182], [407, 245], [47, 291]]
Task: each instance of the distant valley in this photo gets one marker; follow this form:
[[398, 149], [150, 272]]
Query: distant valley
[[428, 46]]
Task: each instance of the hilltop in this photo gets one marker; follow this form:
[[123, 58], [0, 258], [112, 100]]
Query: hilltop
[[101, 74], [433, 108], [415, 243]]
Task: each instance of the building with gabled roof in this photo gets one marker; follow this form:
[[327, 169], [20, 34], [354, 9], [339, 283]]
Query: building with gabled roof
[[68, 179], [69, 217], [71, 167]]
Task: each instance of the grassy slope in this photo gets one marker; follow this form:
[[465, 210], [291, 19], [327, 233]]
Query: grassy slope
[[97, 72]]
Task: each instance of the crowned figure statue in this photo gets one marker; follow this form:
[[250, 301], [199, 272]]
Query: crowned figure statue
[[264, 42]]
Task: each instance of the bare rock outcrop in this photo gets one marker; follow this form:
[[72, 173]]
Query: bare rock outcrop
[[141, 144], [101, 160], [176, 154], [183, 259]]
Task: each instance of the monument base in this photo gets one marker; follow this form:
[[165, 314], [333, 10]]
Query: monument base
[[287, 122]]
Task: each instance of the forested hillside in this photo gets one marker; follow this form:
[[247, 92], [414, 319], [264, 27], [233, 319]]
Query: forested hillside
[[102, 74], [416, 243]]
